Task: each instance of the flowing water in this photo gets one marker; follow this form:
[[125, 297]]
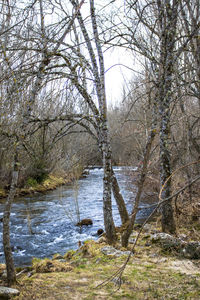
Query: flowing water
[[42, 225]]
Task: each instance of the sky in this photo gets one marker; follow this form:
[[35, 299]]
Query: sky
[[119, 66], [117, 75]]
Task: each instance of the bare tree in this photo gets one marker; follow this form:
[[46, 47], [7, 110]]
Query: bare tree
[[22, 130]]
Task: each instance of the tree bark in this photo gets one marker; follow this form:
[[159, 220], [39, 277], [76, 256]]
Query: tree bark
[[99, 72], [126, 234], [11, 276], [167, 21], [119, 199], [107, 188]]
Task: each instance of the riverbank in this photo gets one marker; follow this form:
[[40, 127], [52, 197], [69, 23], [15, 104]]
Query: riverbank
[[53, 181], [152, 273]]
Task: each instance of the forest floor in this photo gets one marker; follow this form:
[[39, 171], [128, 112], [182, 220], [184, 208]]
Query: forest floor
[[152, 273]]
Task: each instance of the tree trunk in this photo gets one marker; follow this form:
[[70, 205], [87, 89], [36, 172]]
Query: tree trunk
[[168, 22], [167, 221], [11, 276], [119, 199], [107, 186], [126, 234]]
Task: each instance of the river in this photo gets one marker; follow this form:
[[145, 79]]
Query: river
[[42, 225]]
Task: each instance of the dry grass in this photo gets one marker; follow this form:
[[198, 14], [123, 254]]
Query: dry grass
[[151, 274]]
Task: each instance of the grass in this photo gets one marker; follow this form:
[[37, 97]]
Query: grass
[[50, 183], [149, 275]]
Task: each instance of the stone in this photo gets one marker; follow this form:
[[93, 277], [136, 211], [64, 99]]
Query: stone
[[62, 260], [183, 237], [153, 255], [111, 251], [147, 227], [57, 257], [4, 274], [16, 248], [191, 250], [166, 240], [30, 274], [100, 231], [84, 222], [131, 241], [7, 293], [108, 250], [85, 172], [102, 239]]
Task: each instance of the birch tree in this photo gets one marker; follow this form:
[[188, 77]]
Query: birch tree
[[90, 63]]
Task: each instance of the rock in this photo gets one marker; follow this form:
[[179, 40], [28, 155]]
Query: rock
[[4, 274], [183, 237], [153, 255], [1, 220], [108, 250], [166, 240], [111, 251], [16, 248], [85, 222], [192, 250], [85, 173], [7, 293], [57, 257], [102, 239], [131, 240], [62, 260], [134, 234], [189, 250], [30, 274], [147, 227], [100, 231]]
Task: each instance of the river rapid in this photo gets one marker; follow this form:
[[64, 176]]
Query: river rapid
[[42, 225]]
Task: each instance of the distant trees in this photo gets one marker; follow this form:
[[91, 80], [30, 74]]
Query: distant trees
[[152, 31]]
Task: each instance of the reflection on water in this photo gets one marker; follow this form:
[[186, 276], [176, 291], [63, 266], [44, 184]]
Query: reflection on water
[[42, 225]]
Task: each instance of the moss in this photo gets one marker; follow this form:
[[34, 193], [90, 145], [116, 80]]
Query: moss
[[69, 254], [47, 265], [2, 193], [145, 277], [31, 182]]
